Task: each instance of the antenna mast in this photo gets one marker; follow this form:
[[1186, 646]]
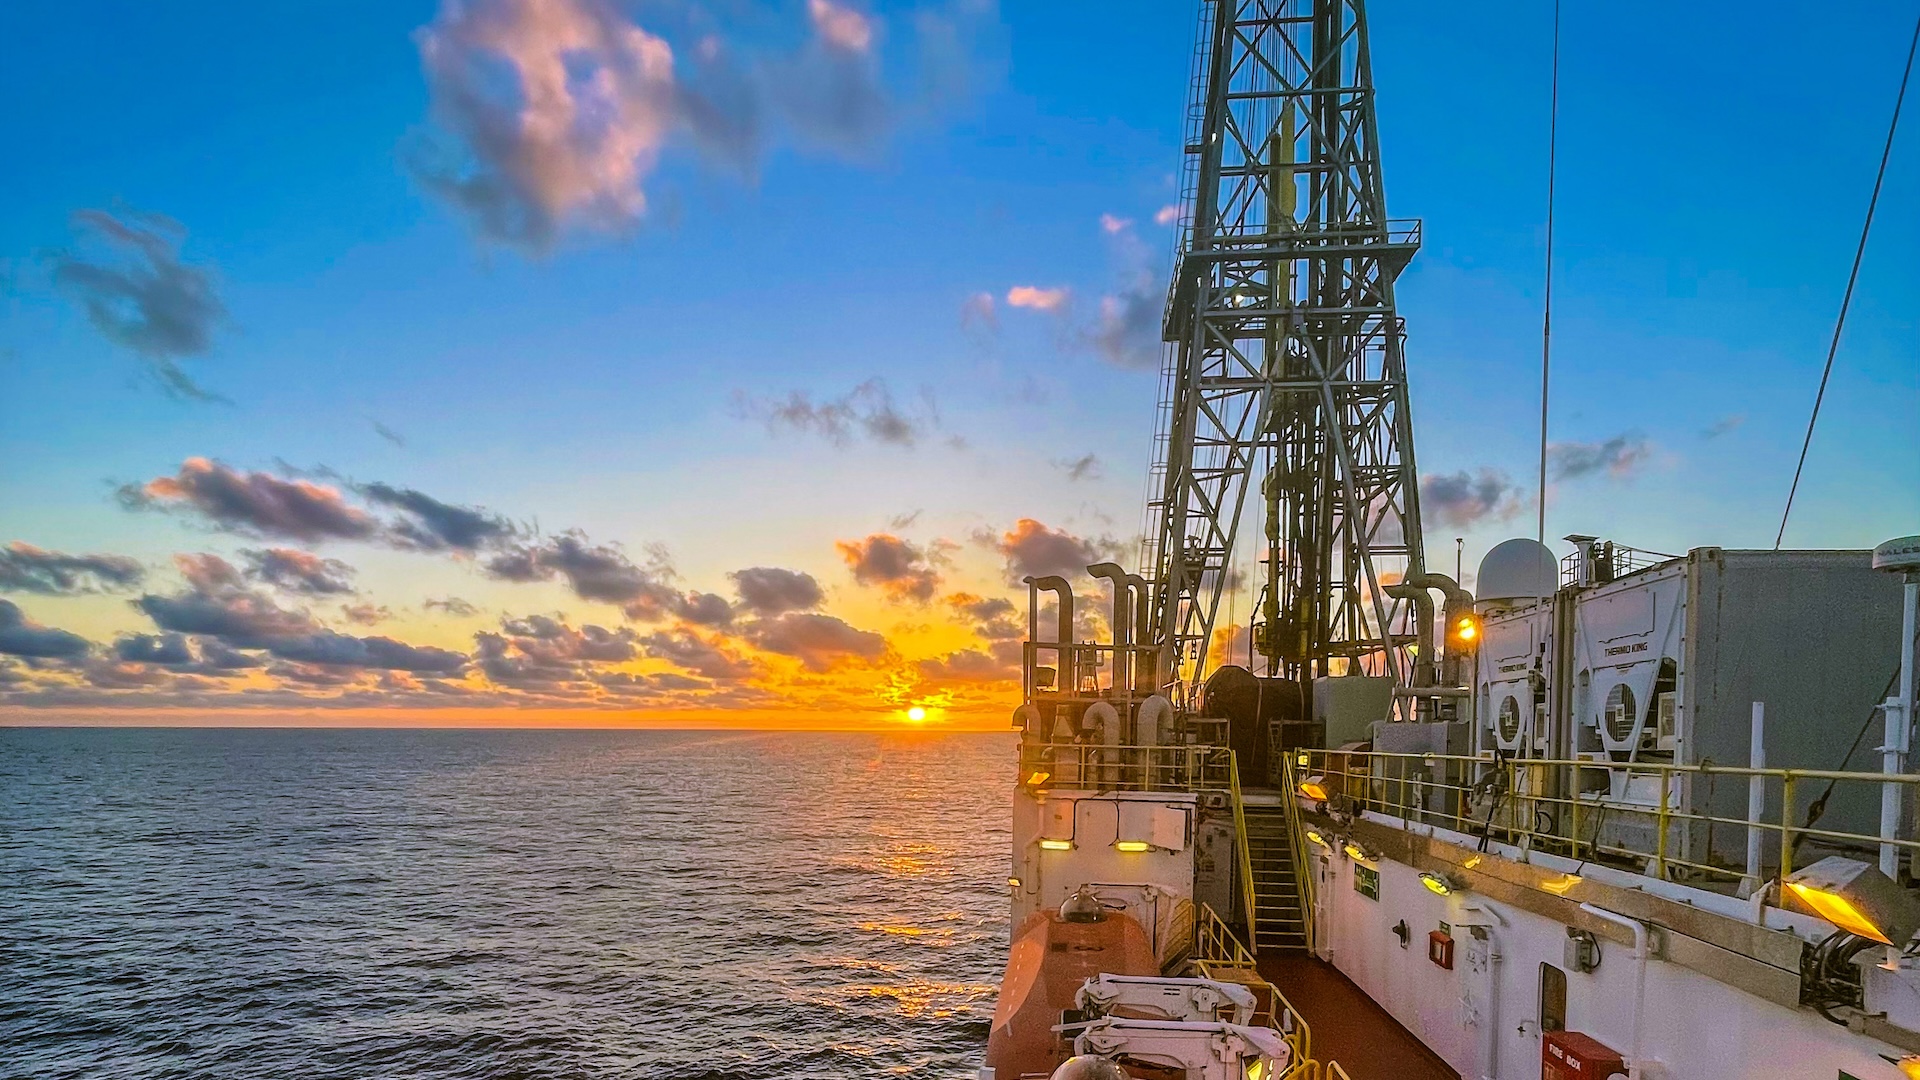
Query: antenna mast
[[1285, 353]]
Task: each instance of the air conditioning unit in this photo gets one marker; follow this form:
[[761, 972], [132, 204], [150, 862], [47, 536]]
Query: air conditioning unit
[[1618, 718], [1666, 706]]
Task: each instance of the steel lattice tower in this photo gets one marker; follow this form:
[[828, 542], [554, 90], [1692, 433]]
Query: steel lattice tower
[[1285, 374]]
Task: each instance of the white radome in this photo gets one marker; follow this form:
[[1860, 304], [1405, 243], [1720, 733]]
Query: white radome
[[1898, 555], [1517, 569]]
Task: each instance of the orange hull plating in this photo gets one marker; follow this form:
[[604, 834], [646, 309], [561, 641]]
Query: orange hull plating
[[1049, 961]]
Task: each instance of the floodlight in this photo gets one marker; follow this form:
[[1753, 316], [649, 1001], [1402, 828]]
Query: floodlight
[[1856, 897], [1438, 884]]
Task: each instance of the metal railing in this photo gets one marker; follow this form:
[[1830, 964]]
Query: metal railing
[[1220, 955], [1297, 843], [1098, 767], [1102, 767], [1245, 848], [1689, 823], [1604, 561], [1215, 943], [1097, 672]]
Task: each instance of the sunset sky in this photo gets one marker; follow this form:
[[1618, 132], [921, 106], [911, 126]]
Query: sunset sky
[[560, 361]]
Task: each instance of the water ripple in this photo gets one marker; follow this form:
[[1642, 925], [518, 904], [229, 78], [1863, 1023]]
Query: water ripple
[[317, 904]]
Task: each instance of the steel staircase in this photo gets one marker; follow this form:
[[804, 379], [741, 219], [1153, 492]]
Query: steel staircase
[[1277, 916]]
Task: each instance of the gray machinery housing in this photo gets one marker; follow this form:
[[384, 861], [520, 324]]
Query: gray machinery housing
[[1663, 664]]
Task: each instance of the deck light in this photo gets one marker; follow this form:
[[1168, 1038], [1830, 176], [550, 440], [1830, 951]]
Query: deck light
[[1466, 628], [1302, 759], [1057, 845], [1356, 852], [1314, 787], [1856, 897], [1013, 883], [1561, 885], [1314, 837], [1132, 846], [1039, 777], [1437, 884]]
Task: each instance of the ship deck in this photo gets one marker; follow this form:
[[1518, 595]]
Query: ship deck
[[1348, 1027]]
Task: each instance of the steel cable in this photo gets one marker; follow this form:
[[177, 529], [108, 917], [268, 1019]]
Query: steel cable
[[1853, 277]]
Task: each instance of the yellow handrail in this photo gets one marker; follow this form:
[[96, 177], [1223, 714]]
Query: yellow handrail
[[1217, 945], [1219, 951], [1531, 804], [1297, 839], [1246, 851]]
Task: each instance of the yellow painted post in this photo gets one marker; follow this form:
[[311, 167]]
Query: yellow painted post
[[1573, 789], [1303, 859], [1786, 827], [1660, 845]]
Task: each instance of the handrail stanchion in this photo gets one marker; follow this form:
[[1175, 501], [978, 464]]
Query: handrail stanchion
[[1573, 814], [1786, 824], [1660, 842], [1302, 858], [1756, 796]]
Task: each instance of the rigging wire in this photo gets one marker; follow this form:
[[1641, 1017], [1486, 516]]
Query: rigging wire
[[1846, 300], [1546, 316]]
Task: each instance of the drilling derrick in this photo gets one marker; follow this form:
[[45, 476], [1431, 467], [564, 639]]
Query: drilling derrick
[[1285, 376]]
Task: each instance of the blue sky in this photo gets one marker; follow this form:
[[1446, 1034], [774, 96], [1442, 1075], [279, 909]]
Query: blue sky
[[619, 380]]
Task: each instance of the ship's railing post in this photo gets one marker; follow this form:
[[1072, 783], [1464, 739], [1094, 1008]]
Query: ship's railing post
[[1786, 824], [1660, 842], [1756, 796], [1303, 858], [1573, 812]]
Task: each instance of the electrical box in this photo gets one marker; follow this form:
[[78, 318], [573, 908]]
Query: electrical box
[[1569, 1055], [1440, 948], [1583, 951]]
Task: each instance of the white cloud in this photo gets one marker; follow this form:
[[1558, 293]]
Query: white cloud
[[1037, 298], [841, 26], [592, 104]]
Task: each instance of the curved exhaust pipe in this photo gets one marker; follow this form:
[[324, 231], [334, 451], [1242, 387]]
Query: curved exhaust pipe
[[1418, 588], [1063, 634], [1122, 621]]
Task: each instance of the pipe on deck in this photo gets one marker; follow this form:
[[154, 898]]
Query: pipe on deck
[[1069, 681]]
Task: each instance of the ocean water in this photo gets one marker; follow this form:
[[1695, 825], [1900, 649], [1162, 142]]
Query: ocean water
[[350, 903]]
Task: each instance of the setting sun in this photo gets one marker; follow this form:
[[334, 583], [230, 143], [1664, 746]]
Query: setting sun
[[916, 714]]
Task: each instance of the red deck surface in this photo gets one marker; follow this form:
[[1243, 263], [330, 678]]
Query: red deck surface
[[1347, 1026]]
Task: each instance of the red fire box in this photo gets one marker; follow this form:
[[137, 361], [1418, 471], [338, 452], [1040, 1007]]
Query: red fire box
[[1569, 1055]]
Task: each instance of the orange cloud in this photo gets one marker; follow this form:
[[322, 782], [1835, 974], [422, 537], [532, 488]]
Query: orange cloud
[[1032, 548], [901, 569]]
